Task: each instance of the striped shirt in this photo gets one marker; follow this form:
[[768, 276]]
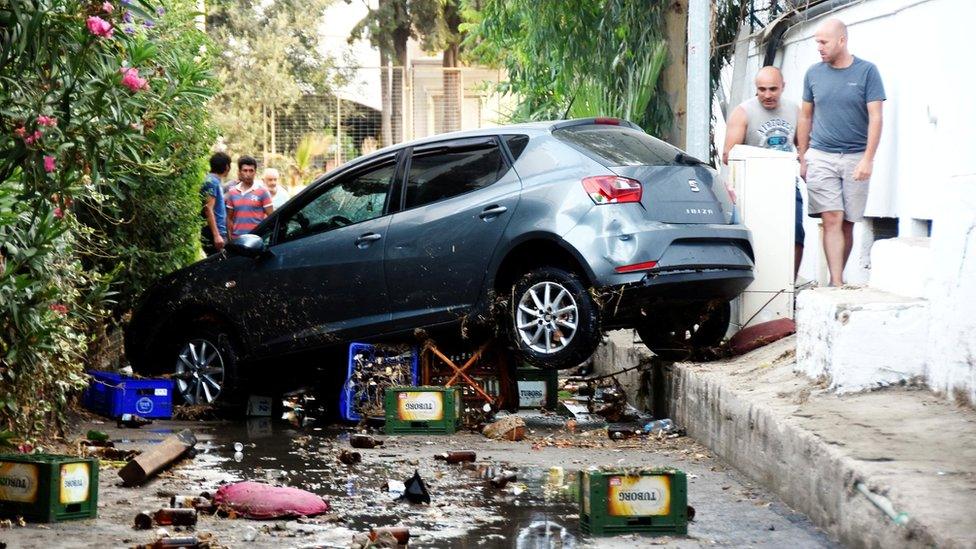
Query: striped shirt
[[248, 207]]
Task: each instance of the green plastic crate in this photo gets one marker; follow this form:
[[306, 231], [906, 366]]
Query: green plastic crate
[[422, 410], [48, 487], [537, 388], [616, 502]]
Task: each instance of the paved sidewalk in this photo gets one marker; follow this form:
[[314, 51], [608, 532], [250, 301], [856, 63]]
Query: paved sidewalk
[[912, 451]]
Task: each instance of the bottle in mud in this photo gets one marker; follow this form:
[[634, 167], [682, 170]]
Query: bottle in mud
[[132, 421], [143, 521], [364, 441], [176, 517], [659, 426], [349, 458], [457, 457], [189, 542]]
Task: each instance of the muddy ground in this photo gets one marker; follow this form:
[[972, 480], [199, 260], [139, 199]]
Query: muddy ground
[[465, 511]]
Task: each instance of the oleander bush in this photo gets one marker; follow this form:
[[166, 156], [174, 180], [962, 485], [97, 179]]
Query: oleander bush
[[104, 129]]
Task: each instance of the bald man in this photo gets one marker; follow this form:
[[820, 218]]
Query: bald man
[[837, 136], [768, 121]]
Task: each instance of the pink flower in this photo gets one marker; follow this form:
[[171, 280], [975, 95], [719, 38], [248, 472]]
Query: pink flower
[[30, 139], [59, 308], [20, 131], [49, 164], [47, 121], [100, 27], [58, 213], [131, 80], [107, 7]]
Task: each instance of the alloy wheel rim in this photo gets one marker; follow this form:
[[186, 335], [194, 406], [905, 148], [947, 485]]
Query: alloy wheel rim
[[199, 372], [546, 317]]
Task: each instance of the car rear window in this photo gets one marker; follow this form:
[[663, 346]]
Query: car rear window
[[618, 145]]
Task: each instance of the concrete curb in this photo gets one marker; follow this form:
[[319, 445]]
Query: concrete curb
[[808, 472]]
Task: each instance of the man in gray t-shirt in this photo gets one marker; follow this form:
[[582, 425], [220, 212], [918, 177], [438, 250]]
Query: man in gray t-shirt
[[837, 136], [768, 121]]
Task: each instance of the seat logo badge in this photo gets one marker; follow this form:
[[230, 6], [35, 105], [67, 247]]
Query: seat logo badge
[[694, 185]]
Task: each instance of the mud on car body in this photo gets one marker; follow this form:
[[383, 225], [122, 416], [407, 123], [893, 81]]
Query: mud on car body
[[574, 227]]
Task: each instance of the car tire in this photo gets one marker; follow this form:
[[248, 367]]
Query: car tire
[[203, 363], [679, 333], [553, 320]]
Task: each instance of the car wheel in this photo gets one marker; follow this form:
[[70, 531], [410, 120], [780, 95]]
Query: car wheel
[[554, 322], [204, 366], [676, 332]]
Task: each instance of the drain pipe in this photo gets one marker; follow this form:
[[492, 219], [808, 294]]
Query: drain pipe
[[882, 503], [774, 36]]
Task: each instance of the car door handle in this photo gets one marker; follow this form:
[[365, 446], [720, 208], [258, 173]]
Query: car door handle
[[367, 239], [492, 212]]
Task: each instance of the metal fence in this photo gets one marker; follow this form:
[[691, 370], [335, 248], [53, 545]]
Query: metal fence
[[374, 107]]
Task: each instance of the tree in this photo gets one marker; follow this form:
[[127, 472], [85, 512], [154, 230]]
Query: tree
[[605, 53], [268, 58]]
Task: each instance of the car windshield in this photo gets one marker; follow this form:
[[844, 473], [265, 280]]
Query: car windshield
[[618, 145]]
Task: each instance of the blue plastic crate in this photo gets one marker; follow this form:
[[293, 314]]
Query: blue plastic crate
[[112, 394], [347, 408]]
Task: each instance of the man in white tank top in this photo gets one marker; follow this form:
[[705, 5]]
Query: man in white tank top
[[768, 121]]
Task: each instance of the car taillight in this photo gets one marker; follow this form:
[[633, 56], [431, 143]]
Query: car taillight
[[612, 189], [607, 121]]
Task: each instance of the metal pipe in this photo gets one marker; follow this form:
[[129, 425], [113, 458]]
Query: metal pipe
[[698, 106]]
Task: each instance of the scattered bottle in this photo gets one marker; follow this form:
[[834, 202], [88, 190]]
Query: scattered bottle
[[187, 542], [456, 457], [176, 517], [143, 521], [97, 438], [364, 441], [132, 421], [238, 447]]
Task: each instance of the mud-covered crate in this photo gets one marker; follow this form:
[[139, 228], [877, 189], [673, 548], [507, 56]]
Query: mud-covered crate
[[371, 369], [537, 388], [644, 501], [422, 410], [112, 394], [48, 487]]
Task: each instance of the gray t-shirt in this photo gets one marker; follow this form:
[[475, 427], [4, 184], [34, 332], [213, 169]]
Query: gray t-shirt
[[770, 129], [840, 98]]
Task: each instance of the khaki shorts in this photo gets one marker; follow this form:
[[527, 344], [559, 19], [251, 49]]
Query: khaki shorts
[[831, 186]]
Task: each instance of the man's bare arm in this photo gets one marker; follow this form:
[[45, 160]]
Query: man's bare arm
[[735, 131], [803, 126], [218, 239], [864, 168]]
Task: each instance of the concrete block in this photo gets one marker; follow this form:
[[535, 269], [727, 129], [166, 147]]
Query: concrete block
[[619, 352], [902, 266], [858, 339]]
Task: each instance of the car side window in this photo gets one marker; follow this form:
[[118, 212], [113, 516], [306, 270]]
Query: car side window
[[445, 173], [353, 199]]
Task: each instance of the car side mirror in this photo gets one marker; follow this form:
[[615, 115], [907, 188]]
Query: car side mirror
[[248, 245]]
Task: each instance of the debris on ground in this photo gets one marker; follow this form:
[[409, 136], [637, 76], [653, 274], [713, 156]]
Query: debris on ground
[[349, 458], [157, 458], [257, 500], [507, 428], [145, 520], [415, 489], [400, 534], [199, 541], [502, 479], [132, 421], [372, 370]]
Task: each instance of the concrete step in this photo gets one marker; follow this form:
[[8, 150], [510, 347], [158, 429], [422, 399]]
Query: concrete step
[[902, 266], [855, 339]]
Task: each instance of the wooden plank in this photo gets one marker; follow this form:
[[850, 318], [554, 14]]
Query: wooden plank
[[156, 458]]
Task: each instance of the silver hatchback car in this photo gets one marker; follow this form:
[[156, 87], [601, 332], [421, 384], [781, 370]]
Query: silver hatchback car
[[553, 231]]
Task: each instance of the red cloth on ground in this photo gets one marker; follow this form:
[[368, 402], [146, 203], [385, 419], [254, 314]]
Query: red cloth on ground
[[263, 501]]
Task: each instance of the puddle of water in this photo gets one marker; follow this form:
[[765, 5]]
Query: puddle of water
[[537, 511]]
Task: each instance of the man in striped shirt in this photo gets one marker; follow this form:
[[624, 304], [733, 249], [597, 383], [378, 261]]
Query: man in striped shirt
[[247, 204]]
